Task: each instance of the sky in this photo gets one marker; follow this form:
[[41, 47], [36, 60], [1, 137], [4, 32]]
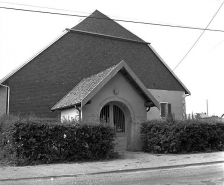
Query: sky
[[23, 34]]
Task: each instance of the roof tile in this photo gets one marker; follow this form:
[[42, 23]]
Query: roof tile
[[82, 89], [101, 24]]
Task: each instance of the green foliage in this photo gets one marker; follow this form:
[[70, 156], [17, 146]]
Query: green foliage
[[7, 149], [175, 136], [37, 141]]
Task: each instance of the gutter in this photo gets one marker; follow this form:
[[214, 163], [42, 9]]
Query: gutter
[[8, 94]]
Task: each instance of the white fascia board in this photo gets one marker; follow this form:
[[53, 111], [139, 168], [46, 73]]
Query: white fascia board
[[141, 85], [164, 63], [110, 75], [29, 60]]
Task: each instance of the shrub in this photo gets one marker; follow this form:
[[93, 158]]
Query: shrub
[[162, 136], [7, 152], [36, 140]]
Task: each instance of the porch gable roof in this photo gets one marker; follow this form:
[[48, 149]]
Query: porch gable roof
[[88, 87]]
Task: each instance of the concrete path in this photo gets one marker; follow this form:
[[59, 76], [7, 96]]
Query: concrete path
[[128, 161]]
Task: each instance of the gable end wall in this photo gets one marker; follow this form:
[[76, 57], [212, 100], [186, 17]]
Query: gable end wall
[[41, 83]]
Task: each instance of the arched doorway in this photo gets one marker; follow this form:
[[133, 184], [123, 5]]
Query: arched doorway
[[115, 113]]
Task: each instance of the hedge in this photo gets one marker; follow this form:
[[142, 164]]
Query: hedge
[[7, 152], [41, 141], [190, 136]]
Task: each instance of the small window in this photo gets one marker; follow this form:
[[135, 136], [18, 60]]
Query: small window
[[163, 109]]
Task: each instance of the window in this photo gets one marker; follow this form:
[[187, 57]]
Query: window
[[165, 109]]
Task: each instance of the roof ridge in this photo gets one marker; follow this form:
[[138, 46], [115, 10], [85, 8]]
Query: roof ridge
[[101, 71]]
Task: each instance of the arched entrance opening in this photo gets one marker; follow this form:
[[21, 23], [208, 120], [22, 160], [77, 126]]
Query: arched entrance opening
[[118, 115], [114, 115]]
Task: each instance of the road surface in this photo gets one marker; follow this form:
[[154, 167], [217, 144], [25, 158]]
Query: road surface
[[193, 175]]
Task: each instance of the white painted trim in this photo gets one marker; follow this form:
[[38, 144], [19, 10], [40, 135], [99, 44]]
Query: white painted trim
[[164, 63], [103, 81], [142, 86], [21, 66]]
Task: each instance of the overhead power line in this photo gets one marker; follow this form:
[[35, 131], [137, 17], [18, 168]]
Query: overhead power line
[[199, 37], [216, 45], [45, 7], [119, 20]]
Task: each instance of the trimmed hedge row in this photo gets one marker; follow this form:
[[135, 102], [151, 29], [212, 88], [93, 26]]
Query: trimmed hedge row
[[38, 141], [159, 136]]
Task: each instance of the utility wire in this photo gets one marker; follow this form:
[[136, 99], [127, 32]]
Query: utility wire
[[217, 45], [199, 37], [45, 7], [20, 4], [119, 20]]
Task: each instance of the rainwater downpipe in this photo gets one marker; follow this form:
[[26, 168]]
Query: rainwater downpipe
[[80, 112], [8, 94]]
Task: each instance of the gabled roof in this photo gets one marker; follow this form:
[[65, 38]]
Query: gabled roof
[[92, 40], [29, 60], [96, 24], [99, 23], [88, 87], [170, 70], [81, 90]]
